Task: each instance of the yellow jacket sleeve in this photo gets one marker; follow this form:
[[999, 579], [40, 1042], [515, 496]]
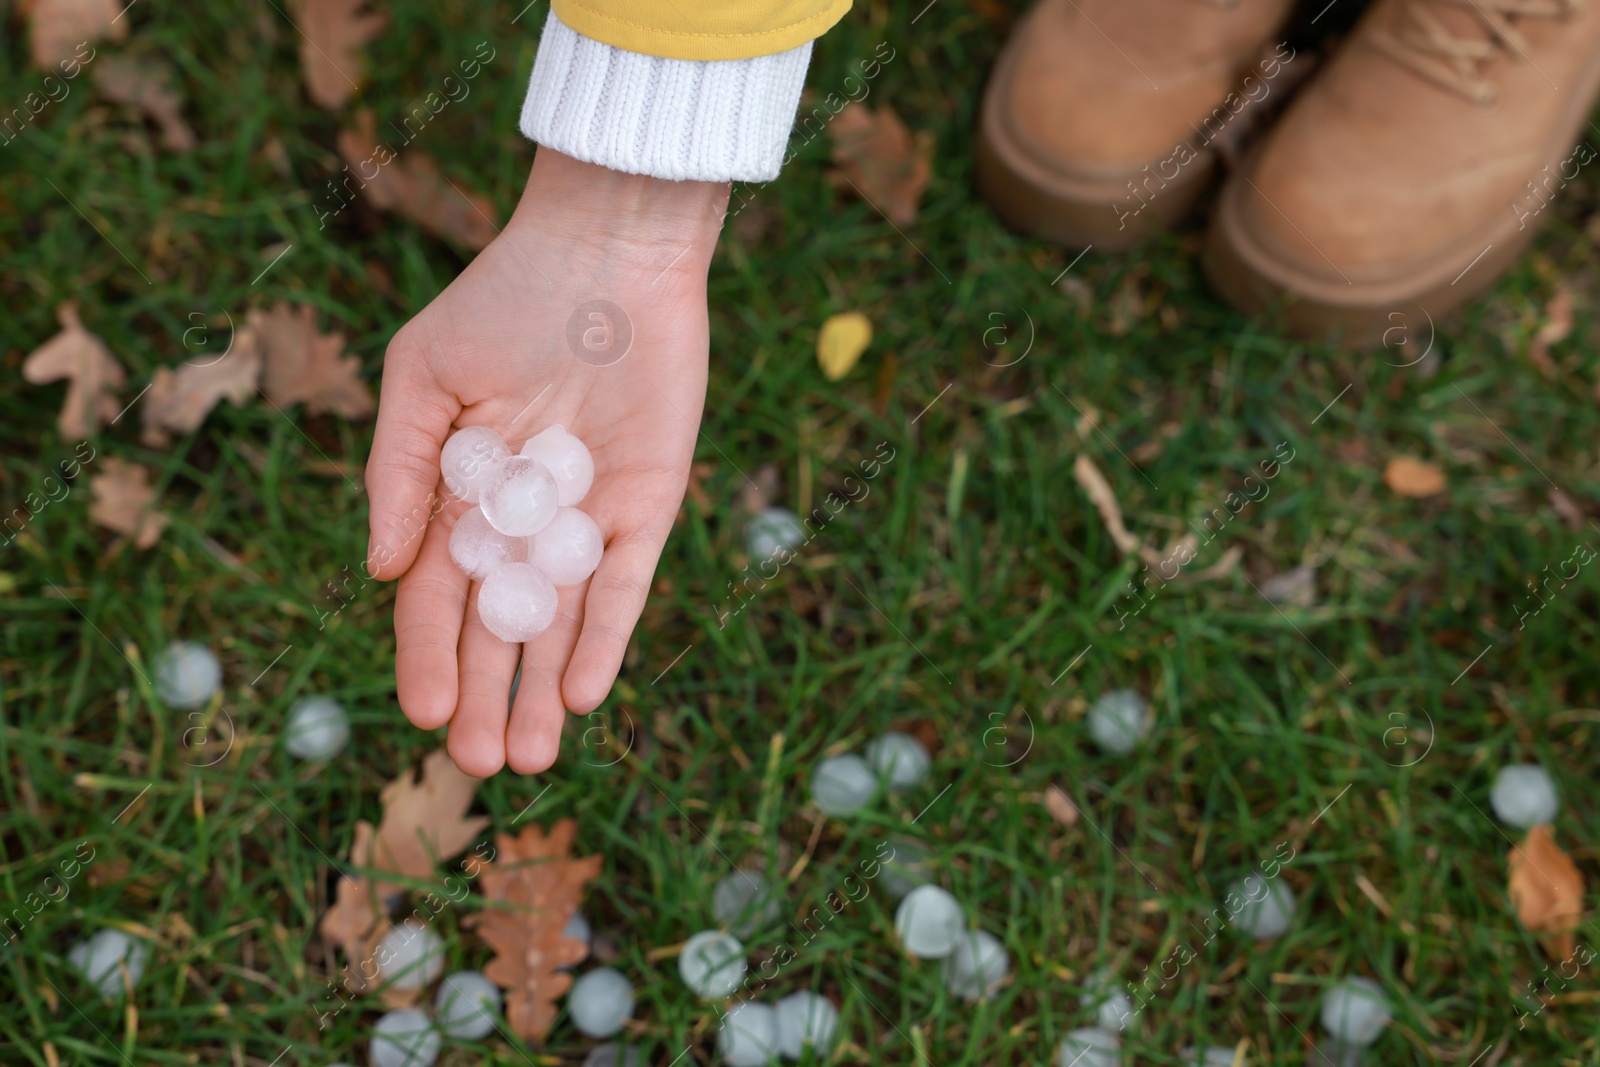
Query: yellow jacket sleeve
[[702, 29]]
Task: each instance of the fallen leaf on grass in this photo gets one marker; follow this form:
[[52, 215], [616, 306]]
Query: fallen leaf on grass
[[841, 341], [57, 27], [146, 85], [887, 165], [1060, 806], [1413, 477], [93, 375], [179, 400], [300, 365], [1546, 888], [1297, 586], [1556, 327], [122, 499], [332, 34], [412, 186], [541, 886]]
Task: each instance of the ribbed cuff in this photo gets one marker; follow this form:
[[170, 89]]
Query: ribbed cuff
[[681, 119]]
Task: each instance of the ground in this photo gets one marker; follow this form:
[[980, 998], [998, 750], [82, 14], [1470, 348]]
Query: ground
[[973, 593]]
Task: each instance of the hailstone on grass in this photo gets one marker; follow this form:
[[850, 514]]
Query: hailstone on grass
[[611, 1055], [318, 729], [749, 1035], [1524, 795], [1268, 906], [744, 902], [1113, 1009], [899, 758], [101, 957], [1355, 1011], [466, 1006], [805, 1019], [842, 785], [712, 963], [600, 1002], [1091, 1046], [771, 529], [1211, 1056], [404, 1039], [911, 865], [1119, 720], [929, 921], [977, 966], [187, 674], [410, 956]]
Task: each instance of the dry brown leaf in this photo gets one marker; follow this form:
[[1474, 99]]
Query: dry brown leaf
[[298, 364], [179, 400], [542, 886], [57, 27], [1413, 477], [1105, 502], [122, 499], [1060, 806], [887, 165], [93, 375], [1546, 888], [332, 34], [1556, 327], [412, 186], [145, 84]]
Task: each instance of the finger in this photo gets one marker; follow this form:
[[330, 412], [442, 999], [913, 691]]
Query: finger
[[428, 608], [615, 600], [534, 736], [477, 739], [414, 417]]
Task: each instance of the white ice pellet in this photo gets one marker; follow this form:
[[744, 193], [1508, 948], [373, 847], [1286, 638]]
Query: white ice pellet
[[843, 785], [929, 921], [317, 728], [749, 1035], [466, 1006], [600, 1002], [910, 865], [569, 549], [187, 674], [977, 966], [1268, 906], [744, 902], [101, 957], [521, 500], [1113, 1009], [712, 963], [610, 1055], [410, 956], [404, 1039], [1355, 1011], [470, 459], [1211, 1056], [771, 529], [479, 548], [1524, 795], [517, 602], [1119, 720], [900, 758], [1331, 1052], [1091, 1046], [577, 929], [568, 461], [805, 1018]]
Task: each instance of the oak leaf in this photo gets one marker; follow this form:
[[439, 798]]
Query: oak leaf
[[144, 84], [57, 27], [122, 500], [1546, 888], [301, 365], [411, 186], [332, 34], [882, 160], [1409, 476], [93, 375], [179, 400]]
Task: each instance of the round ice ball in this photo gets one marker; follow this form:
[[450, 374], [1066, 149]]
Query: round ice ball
[[843, 785], [805, 1018], [410, 956], [101, 957], [929, 921], [404, 1039], [1267, 908], [744, 902], [600, 1002], [610, 1055], [1113, 1009], [521, 500], [1092, 1046], [187, 674], [577, 929], [910, 865], [517, 602], [771, 529], [712, 963], [469, 461], [749, 1035], [1355, 1011], [478, 548], [977, 966], [900, 758], [569, 549], [1119, 720], [568, 461], [1524, 795], [318, 728], [466, 1006]]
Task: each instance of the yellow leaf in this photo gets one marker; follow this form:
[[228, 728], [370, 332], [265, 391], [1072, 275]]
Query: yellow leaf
[[842, 340], [1546, 888], [1410, 476]]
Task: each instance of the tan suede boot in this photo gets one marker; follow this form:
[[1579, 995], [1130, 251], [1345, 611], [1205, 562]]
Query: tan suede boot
[[1098, 122], [1416, 167]]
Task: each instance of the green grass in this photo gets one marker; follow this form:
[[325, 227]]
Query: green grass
[[972, 589]]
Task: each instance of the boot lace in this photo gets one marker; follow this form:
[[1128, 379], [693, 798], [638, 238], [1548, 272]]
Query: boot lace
[[1421, 42]]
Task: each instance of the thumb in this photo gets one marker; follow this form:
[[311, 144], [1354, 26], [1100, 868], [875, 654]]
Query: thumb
[[414, 417]]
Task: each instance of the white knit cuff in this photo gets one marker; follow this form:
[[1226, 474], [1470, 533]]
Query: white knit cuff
[[682, 119]]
